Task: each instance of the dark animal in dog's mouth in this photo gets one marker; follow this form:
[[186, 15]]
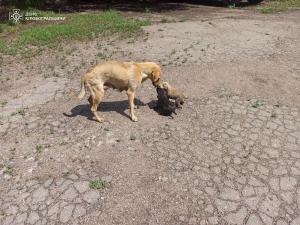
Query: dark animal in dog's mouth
[[164, 106]]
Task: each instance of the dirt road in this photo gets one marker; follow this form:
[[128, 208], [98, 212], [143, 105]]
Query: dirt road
[[230, 156]]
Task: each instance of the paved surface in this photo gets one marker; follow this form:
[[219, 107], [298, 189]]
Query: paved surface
[[230, 156]]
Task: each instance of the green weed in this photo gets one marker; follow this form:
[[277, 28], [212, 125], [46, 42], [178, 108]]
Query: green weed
[[97, 184], [39, 148], [76, 26]]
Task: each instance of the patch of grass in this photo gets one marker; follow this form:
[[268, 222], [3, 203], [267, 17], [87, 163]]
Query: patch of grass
[[6, 49], [97, 184], [41, 13], [101, 55], [132, 137], [167, 20], [81, 25], [183, 19], [3, 103], [39, 148], [71, 51], [3, 47], [50, 67], [279, 5], [257, 104], [66, 173], [20, 112], [76, 26], [232, 6], [173, 52], [265, 10], [8, 170]]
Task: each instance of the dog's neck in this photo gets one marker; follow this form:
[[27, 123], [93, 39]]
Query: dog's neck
[[145, 76], [147, 68]]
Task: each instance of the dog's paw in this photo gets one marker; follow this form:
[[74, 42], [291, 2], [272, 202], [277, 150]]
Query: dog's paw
[[100, 120], [134, 119]]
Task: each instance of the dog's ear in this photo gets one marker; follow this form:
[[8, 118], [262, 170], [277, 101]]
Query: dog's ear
[[155, 77]]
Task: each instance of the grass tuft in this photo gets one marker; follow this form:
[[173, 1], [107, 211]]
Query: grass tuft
[[77, 26], [97, 184], [39, 148], [279, 5], [265, 10]]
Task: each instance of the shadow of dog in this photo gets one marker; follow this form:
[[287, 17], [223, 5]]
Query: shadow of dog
[[117, 106]]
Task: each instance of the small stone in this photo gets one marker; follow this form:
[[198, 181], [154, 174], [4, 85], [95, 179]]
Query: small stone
[[213, 220], [91, 197], [42, 207], [12, 210], [53, 210], [48, 182], [73, 177], [79, 211], [193, 220], [66, 213], [8, 220], [254, 220], [21, 218], [33, 217], [281, 222], [230, 194], [64, 186], [39, 195], [226, 206], [81, 186], [296, 221], [107, 179], [270, 206], [209, 208], [132, 137], [69, 194], [275, 143], [238, 217], [32, 125], [55, 123], [252, 202], [287, 183]]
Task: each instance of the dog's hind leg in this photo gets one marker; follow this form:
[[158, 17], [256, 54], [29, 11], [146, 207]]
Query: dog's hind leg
[[97, 93]]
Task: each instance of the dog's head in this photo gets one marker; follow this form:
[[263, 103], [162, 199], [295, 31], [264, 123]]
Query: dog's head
[[155, 75]]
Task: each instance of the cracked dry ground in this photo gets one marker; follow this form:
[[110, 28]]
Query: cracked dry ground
[[230, 156]]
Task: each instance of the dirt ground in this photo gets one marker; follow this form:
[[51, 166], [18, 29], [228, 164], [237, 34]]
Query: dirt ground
[[230, 156]]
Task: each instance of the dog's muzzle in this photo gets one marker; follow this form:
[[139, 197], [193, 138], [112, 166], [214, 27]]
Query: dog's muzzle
[[156, 82]]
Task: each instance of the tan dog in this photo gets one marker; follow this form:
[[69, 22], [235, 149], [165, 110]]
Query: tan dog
[[118, 75], [175, 94]]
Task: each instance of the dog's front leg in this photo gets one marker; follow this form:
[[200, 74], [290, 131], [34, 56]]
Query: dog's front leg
[[130, 95]]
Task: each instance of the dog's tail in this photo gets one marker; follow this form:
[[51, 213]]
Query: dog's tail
[[82, 90]]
